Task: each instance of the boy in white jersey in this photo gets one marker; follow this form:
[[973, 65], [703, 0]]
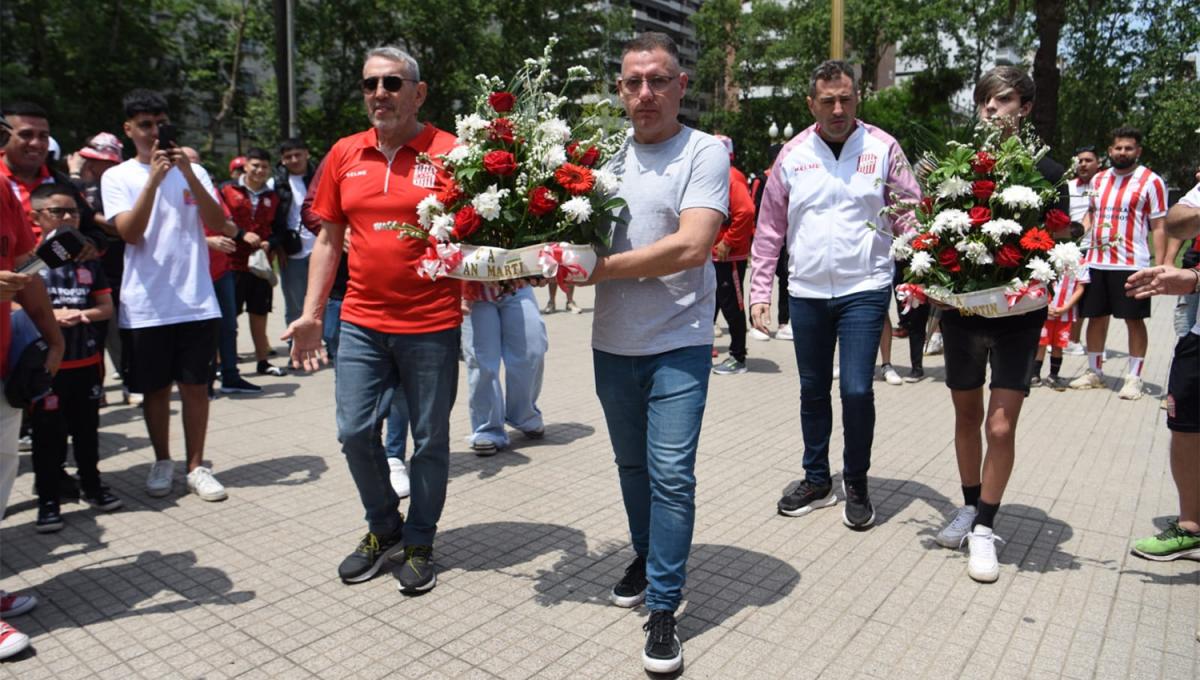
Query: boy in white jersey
[[1128, 203], [1056, 332]]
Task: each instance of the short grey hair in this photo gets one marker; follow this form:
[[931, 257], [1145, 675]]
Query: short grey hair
[[832, 69], [397, 55]]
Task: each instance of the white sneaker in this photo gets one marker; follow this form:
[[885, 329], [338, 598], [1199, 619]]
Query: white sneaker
[[1088, 381], [717, 332], [784, 332], [202, 483], [158, 482], [759, 335], [135, 398], [891, 376], [1132, 388], [934, 346], [983, 566], [1075, 349], [952, 535], [12, 641], [398, 476]]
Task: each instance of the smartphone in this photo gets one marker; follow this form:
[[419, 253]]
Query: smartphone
[[168, 136]]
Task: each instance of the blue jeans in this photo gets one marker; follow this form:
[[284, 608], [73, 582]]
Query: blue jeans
[[510, 330], [227, 299], [853, 322], [654, 406], [371, 367], [331, 327], [293, 278], [397, 427]]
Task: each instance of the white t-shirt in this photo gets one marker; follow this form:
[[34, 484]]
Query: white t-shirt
[[166, 279], [307, 238], [1192, 200], [1080, 194]]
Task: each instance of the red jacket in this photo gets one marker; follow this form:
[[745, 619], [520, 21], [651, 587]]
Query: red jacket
[[258, 219], [738, 230]]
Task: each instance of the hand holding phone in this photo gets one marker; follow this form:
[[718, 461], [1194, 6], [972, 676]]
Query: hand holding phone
[[168, 136]]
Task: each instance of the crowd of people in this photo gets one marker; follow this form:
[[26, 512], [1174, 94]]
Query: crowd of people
[[172, 260]]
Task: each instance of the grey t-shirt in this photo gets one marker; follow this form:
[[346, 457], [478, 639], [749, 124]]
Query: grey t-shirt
[[639, 317]]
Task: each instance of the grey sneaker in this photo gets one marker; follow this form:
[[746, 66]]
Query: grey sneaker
[[730, 366], [417, 574]]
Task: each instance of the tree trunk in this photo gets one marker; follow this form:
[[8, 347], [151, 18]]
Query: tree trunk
[[230, 92], [730, 94], [1049, 17]]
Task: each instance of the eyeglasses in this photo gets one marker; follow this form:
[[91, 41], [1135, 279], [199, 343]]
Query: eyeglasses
[[390, 83], [658, 84], [60, 213]]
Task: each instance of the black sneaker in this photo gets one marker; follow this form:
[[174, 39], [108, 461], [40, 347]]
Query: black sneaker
[[805, 498], [858, 514], [49, 518], [915, 375], [265, 368], [631, 589], [1057, 383], [1035, 381], [102, 499], [239, 385], [663, 652], [417, 574], [364, 562]]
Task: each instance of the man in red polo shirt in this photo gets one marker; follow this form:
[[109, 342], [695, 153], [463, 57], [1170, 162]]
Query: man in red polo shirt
[[398, 330]]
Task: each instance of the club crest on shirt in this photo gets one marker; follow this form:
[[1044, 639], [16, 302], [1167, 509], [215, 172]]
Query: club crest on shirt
[[188, 198], [866, 163], [424, 175], [84, 276]]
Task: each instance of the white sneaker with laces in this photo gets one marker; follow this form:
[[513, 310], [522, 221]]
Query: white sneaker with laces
[[934, 346], [158, 482], [891, 376], [983, 565], [952, 535], [202, 483], [398, 476], [1075, 349], [1132, 388], [12, 641], [1088, 381], [759, 335], [784, 332]]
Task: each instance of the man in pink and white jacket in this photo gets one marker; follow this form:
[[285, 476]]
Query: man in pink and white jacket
[[825, 195]]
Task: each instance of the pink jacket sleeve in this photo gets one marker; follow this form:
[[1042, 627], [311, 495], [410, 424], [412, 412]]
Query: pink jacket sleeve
[[771, 233], [901, 186]]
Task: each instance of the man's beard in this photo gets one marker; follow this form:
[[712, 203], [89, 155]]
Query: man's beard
[[1122, 163]]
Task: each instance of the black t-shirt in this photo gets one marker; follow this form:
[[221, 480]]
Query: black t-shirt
[[113, 259], [74, 286]]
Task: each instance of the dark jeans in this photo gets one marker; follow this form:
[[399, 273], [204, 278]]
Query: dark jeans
[[331, 326], [370, 367], [853, 323], [227, 299], [73, 408], [730, 302]]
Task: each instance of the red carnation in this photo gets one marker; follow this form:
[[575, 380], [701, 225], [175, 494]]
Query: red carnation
[[589, 157], [576, 179], [500, 163], [450, 194], [541, 201], [1008, 256], [979, 215], [948, 259], [1056, 220], [1037, 239], [502, 102], [466, 221], [983, 163], [983, 189], [927, 205], [926, 241], [501, 131]]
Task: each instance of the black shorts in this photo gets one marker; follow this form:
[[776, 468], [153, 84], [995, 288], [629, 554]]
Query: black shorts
[[157, 356], [1008, 344], [1105, 296], [1183, 386], [254, 295]]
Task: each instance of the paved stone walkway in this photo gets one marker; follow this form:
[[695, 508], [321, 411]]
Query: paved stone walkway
[[533, 538]]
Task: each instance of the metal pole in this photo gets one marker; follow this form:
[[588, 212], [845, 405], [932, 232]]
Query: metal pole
[[293, 127], [837, 31], [282, 60]]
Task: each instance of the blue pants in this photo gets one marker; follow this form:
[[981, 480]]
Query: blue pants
[[226, 292], [654, 406], [853, 323], [397, 427], [510, 330], [293, 278], [331, 327], [371, 366]]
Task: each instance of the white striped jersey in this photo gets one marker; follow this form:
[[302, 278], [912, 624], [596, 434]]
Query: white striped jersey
[[1122, 207]]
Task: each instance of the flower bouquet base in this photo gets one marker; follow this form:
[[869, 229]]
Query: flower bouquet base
[[564, 262], [994, 303]]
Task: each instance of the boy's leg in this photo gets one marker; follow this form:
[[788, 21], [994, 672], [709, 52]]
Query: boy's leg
[[49, 443], [81, 408]]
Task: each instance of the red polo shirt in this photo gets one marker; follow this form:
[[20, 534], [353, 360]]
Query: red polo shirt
[[23, 190], [16, 239], [362, 189]]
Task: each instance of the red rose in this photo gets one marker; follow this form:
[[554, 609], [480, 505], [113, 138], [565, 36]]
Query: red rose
[[541, 201], [572, 148], [979, 215], [927, 205], [501, 131], [925, 241], [575, 179], [983, 163], [500, 163], [589, 157], [983, 189], [450, 194], [948, 259], [1036, 239], [1056, 220], [1008, 256], [466, 221], [502, 102]]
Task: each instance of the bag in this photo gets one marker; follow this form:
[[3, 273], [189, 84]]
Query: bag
[[28, 380], [291, 241], [260, 265]]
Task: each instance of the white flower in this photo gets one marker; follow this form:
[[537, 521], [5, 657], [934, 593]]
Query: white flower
[[442, 226], [427, 208], [951, 220], [901, 250], [1020, 197], [469, 128], [998, 229], [555, 156], [921, 263], [953, 187], [975, 252], [1066, 257], [578, 209], [458, 155], [487, 204], [1040, 270], [581, 72], [607, 181], [555, 131]]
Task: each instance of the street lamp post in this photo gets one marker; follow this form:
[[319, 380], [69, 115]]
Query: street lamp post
[[837, 30]]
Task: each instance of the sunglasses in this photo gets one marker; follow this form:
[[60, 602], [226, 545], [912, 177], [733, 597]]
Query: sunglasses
[[658, 84], [60, 213], [390, 83]]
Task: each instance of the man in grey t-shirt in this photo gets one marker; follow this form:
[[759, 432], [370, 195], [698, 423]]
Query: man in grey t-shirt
[[652, 337]]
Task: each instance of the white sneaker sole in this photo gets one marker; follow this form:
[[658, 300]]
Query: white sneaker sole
[[825, 502], [846, 520], [211, 497], [663, 665], [627, 602], [1193, 554], [419, 589], [155, 492], [370, 573], [947, 541], [989, 576]]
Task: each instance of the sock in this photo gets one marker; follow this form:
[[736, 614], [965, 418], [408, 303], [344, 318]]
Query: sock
[[1135, 366], [971, 495], [1096, 362], [1055, 365], [986, 516], [1037, 368]]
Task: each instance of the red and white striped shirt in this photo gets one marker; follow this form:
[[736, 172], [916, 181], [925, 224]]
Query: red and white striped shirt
[[1065, 288], [1122, 207]]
